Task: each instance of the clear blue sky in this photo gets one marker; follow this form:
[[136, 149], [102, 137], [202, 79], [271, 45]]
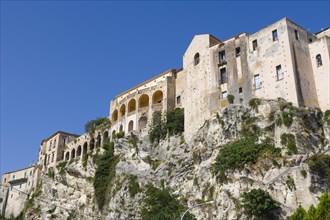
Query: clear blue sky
[[63, 61]]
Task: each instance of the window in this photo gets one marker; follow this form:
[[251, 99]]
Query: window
[[254, 44], [240, 89], [238, 51], [296, 34], [13, 177], [178, 100], [257, 84], [224, 95], [310, 40], [53, 157], [30, 172], [50, 145], [196, 59], [223, 76], [275, 36], [54, 143], [279, 72], [24, 174], [222, 55], [318, 60], [5, 180]]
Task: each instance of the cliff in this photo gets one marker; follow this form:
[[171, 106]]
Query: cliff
[[196, 170]]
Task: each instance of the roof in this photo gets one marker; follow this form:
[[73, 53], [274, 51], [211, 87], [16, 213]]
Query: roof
[[31, 166], [322, 31], [145, 82], [62, 132]]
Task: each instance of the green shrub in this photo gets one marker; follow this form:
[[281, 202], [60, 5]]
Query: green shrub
[[303, 173], [271, 116], [91, 126], [230, 98], [278, 121], [243, 151], [120, 134], [61, 167], [289, 141], [259, 204], [133, 186], [105, 173], [319, 164], [322, 211], [287, 119], [51, 173], [160, 204], [290, 183], [85, 160], [326, 116], [254, 104], [171, 123]]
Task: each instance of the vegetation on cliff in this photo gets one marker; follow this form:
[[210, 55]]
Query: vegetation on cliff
[[91, 126]]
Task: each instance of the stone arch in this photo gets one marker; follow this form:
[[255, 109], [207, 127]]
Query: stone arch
[[130, 126], [73, 153], [196, 59], [157, 97], [131, 106], [79, 151], [143, 122], [91, 144], [67, 156], [143, 101], [121, 128], [122, 110], [114, 116], [98, 141], [105, 136], [85, 147]]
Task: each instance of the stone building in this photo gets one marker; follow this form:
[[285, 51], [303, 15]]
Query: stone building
[[16, 187], [281, 60], [52, 150]]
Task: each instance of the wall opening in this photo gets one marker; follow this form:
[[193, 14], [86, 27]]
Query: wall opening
[[79, 151], [91, 144], [196, 59], [130, 126], [85, 148], [122, 110], [131, 106], [143, 101], [318, 60], [73, 153], [114, 116], [143, 122]]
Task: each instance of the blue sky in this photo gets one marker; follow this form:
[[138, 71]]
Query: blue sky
[[63, 61]]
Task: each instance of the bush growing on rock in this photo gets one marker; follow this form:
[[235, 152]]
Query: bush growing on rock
[[160, 204], [319, 164], [259, 204], [91, 126]]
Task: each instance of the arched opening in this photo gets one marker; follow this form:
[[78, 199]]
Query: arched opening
[[196, 59], [67, 156], [157, 99], [131, 106], [130, 126], [105, 136], [79, 151], [121, 128], [62, 156], [114, 116], [73, 153], [113, 134], [98, 141], [143, 122], [318, 60], [85, 148], [143, 101], [91, 144], [122, 110]]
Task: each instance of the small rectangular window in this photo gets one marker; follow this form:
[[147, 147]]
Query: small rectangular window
[[30, 172], [296, 34], [5, 180], [222, 55], [279, 72], [178, 100], [238, 51], [257, 84], [310, 40], [223, 76], [254, 44], [24, 174], [240, 89], [224, 95], [275, 36], [13, 177]]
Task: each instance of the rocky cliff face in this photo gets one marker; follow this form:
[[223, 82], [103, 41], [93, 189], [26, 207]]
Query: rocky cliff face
[[185, 167]]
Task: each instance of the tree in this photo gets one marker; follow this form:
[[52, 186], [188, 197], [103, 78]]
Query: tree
[[259, 204], [160, 204]]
